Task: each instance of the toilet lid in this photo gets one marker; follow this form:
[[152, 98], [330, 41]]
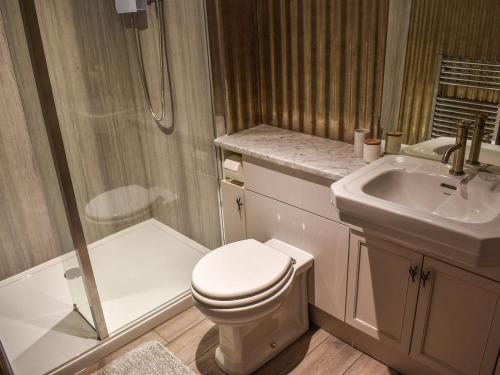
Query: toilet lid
[[239, 270]]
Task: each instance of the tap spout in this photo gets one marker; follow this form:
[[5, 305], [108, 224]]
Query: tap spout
[[448, 152]]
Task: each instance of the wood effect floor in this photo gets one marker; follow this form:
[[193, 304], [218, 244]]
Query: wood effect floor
[[193, 339]]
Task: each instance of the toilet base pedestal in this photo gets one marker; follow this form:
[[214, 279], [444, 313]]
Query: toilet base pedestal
[[243, 349]]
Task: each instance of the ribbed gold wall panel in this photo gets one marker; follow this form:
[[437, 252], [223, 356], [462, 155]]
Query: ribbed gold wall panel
[[314, 66], [464, 29], [321, 64], [238, 31]]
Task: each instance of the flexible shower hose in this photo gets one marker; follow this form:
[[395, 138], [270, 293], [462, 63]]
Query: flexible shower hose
[[159, 117]]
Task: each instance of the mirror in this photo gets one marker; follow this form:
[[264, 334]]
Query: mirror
[[442, 65]]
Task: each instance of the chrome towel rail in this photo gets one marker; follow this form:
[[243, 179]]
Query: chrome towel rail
[[447, 111]]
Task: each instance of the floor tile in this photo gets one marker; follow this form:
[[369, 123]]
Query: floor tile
[[195, 342], [366, 365], [205, 364], [179, 324], [289, 358], [331, 357]]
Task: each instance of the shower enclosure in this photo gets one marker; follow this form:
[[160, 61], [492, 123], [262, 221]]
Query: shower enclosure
[[117, 124]]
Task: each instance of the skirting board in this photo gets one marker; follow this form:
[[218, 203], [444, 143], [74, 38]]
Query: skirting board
[[399, 361]]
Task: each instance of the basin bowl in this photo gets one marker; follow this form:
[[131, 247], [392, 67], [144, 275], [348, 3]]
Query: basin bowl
[[474, 201], [419, 201]]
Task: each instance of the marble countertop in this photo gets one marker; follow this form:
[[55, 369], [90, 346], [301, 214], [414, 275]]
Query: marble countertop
[[319, 156]]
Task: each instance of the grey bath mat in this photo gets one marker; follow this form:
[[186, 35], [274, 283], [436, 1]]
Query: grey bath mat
[[151, 358]]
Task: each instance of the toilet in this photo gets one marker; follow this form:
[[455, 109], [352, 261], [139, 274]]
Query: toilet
[[257, 295]]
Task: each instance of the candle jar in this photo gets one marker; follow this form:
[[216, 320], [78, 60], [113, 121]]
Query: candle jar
[[371, 150], [393, 143]]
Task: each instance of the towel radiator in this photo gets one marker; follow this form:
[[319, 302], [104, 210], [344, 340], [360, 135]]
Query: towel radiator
[[447, 111]]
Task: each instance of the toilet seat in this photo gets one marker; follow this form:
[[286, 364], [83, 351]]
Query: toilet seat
[[240, 274], [241, 313], [243, 302]]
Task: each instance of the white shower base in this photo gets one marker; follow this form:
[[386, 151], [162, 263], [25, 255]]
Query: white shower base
[[140, 268], [136, 270]]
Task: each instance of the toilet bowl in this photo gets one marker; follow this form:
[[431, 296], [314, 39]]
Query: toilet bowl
[[257, 295]]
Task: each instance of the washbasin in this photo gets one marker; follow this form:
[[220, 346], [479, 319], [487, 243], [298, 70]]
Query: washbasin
[[475, 201], [417, 200], [435, 148]]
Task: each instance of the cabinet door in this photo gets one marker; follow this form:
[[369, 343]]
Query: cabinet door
[[457, 324], [381, 293], [233, 211]]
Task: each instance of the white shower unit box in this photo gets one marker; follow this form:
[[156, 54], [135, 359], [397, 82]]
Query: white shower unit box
[[130, 6]]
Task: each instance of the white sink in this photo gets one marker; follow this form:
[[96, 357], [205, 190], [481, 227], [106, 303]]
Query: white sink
[[434, 149], [417, 200]]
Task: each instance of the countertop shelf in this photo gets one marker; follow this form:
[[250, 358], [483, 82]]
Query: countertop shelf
[[319, 156]]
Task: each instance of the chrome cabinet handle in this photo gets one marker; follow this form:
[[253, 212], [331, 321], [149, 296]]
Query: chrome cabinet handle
[[413, 272], [424, 276]]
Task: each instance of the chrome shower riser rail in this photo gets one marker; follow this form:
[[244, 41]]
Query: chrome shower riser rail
[[163, 64]]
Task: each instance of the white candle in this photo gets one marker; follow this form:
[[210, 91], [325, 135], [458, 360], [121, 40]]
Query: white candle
[[359, 138]]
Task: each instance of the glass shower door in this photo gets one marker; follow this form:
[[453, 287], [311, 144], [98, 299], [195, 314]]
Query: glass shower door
[[146, 189], [39, 328]]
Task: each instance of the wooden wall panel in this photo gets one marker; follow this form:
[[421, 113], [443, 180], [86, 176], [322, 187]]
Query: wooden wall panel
[[26, 236], [110, 137], [87, 56], [34, 120], [182, 164], [464, 29]]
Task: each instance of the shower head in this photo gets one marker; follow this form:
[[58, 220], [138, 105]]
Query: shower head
[[130, 6]]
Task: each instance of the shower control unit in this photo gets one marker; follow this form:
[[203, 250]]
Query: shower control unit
[[130, 6]]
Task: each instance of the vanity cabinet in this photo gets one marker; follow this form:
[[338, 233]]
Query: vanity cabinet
[[457, 323], [382, 290], [426, 316], [443, 316]]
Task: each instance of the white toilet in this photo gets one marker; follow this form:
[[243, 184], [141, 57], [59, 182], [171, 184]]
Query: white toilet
[[257, 294]]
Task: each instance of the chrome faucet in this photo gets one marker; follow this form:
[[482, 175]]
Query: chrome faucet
[[458, 149]]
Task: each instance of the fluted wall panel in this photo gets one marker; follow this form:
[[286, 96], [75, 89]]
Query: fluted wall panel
[[319, 64], [240, 63], [463, 29]]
